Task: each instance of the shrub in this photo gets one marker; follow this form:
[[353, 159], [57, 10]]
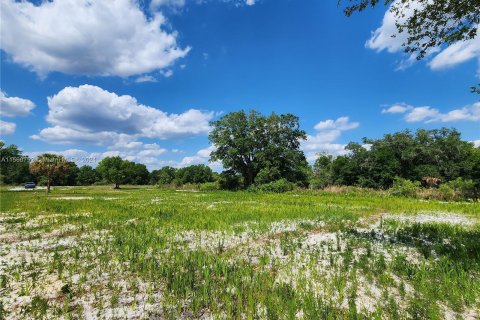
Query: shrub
[[267, 175], [209, 186], [446, 192], [405, 188], [464, 188], [229, 180], [278, 186], [319, 182]]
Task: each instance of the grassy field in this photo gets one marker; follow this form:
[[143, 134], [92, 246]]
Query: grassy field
[[151, 253]]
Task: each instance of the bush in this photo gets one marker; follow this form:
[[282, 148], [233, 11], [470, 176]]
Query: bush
[[229, 180], [446, 192], [209, 186], [319, 182], [279, 186], [405, 188], [267, 175], [463, 188]]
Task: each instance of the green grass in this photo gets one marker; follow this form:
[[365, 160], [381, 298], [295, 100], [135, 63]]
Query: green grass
[[143, 252]]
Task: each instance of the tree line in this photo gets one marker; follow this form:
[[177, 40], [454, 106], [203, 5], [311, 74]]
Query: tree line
[[263, 152], [53, 169]]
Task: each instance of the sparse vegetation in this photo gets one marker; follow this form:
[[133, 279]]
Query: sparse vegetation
[[147, 252]]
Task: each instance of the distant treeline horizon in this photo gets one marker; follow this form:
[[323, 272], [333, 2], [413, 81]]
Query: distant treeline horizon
[[427, 157]]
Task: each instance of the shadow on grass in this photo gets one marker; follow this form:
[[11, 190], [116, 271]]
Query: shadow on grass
[[454, 242], [432, 239]]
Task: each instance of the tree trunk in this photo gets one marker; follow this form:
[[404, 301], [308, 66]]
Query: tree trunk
[[117, 185], [48, 182], [248, 177]]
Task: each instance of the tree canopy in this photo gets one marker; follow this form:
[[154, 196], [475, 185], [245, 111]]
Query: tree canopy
[[52, 166], [114, 170], [165, 175], [86, 176], [199, 173], [14, 166], [119, 171], [250, 144], [428, 24], [375, 163]]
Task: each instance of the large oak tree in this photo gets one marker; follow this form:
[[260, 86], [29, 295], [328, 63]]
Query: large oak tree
[[250, 143], [114, 170]]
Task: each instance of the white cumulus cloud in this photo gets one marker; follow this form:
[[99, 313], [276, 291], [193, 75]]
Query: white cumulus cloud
[[201, 157], [146, 78], [386, 37], [341, 124], [327, 134], [143, 153], [91, 115], [107, 38], [14, 106], [155, 4], [7, 128], [429, 114], [397, 108], [176, 4], [457, 53]]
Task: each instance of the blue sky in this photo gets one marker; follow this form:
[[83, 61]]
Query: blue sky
[[142, 79]]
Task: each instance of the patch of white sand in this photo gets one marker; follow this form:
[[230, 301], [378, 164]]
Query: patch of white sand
[[73, 198], [20, 188], [448, 218]]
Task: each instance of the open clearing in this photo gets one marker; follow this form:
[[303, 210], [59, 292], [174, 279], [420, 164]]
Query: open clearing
[[152, 253]]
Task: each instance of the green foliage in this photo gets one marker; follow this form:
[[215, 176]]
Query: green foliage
[[431, 24], [465, 189], [250, 143], [137, 174], [475, 89], [439, 153], [319, 183], [14, 166], [118, 171], [195, 174], [87, 176], [279, 186], [471, 167], [165, 175], [70, 177], [113, 170], [322, 172], [267, 175], [51, 167], [209, 186], [344, 171], [406, 188], [229, 180], [446, 192]]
